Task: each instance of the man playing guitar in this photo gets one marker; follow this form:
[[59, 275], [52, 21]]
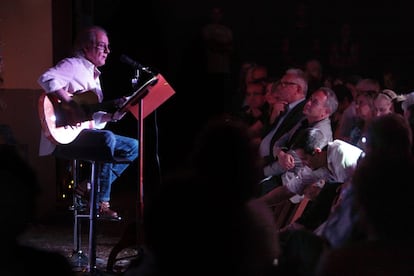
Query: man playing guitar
[[64, 84]]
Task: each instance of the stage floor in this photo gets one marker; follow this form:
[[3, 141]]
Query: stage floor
[[57, 234]]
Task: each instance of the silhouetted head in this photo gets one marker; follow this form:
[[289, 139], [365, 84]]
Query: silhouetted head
[[19, 191]]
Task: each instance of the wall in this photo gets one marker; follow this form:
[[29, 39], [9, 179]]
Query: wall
[[26, 48], [19, 111], [25, 41]]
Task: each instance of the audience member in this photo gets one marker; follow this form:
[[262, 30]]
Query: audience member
[[409, 101], [389, 136], [351, 83], [344, 95], [365, 112], [209, 212], [317, 110], [383, 102], [255, 111], [19, 194], [341, 227], [349, 117], [339, 159], [292, 89], [237, 101], [258, 74], [334, 160], [329, 161], [276, 106], [408, 112], [273, 107], [397, 104], [383, 189], [250, 73]]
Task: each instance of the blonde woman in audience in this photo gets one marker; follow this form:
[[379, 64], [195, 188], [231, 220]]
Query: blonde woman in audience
[[383, 102], [349, 118]]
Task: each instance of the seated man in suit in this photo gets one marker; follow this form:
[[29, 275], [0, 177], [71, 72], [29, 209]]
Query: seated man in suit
[[292, 89]]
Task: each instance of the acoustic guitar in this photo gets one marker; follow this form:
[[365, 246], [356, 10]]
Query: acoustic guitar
[[55, 125], [54, 120]]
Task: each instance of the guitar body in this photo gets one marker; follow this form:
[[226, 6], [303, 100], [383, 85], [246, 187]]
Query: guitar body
[[50, 113]]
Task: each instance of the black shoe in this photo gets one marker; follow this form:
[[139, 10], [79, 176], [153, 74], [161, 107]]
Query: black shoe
[[83, 189], [80, 204]]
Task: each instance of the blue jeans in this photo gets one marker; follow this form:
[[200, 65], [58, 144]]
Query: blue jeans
[[101, 146]]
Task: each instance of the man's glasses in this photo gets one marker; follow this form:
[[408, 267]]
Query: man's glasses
[[286, 83], [102, 47]]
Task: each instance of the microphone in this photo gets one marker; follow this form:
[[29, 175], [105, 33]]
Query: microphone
[[134, 64]]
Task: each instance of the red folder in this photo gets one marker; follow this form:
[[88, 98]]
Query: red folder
[[154, 93]]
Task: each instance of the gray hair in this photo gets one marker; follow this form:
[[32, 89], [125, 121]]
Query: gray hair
[[87, 37], [331, 99], [300, 78]]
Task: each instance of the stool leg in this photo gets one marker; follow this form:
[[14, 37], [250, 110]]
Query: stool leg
[[78, 258], [76, 228], [93, 215]]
